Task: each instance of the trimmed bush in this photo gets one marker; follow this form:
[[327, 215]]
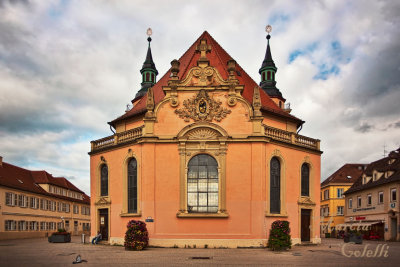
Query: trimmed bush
[[136, 236], [279, 236]]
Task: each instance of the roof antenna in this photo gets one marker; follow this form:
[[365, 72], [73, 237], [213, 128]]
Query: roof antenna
[[384, 150]]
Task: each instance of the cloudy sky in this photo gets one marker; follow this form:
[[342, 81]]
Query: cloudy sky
[[69, 67]]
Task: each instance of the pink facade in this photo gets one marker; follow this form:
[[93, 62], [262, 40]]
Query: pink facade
[[209, 110]]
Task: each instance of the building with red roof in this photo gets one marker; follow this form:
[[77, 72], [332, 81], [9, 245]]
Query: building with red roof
[[372, 205], [34, 204], [332, 196], [206, 156]]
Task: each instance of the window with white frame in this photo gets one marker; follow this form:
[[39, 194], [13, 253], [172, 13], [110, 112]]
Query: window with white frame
[[358, 202], [350, 203], [326, 194], [393, 195], [340, 193], [20, 200], [42, 226], [67, 208], [85, 210], [76, 209], [10, 225], [11, 199], [22, 226], [326, 211], [26, 202], [339, 210], [369, 199], [380, 197], [34, 202], [53, 206]]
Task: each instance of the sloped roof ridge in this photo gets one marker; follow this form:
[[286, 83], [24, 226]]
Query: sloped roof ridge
[[190, 47], [15, 166], [267, 103], [218, 46], [339, 171]]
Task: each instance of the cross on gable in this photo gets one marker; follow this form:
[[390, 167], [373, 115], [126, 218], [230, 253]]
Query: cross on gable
[[203, 47]]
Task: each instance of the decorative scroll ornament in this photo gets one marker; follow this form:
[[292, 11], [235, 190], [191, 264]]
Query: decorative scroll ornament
[[102, 202], [202, 108], [203, 133]]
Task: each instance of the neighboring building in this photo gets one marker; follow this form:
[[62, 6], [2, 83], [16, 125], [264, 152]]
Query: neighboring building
[[206, 157], [34, 204], [332, 197], [372, 202]]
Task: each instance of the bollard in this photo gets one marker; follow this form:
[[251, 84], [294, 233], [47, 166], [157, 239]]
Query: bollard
[[83, 238]]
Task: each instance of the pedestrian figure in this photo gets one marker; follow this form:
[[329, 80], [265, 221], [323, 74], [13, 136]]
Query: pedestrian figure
[[97, 238]]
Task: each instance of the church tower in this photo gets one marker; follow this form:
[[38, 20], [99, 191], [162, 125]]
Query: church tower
[[267, 71], [148, 71]]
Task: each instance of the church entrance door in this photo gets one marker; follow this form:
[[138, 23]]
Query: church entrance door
[[103, 216], [305, 224]]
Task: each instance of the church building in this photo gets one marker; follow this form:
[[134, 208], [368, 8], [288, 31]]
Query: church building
[[206, 157]]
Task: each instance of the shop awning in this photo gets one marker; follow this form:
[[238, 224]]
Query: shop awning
[[356, 226]]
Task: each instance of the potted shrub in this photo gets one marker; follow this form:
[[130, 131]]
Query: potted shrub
[[136, 236], [61, 236], [327, 235], [356, 237], [279, 236]]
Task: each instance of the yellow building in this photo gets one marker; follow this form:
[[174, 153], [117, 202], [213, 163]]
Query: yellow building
[[35, 204], [332, 197]]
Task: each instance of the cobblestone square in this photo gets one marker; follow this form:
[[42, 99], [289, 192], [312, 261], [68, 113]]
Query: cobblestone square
[[39, 252]]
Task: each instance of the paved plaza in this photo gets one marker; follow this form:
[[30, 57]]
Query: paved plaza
[[39, 252]]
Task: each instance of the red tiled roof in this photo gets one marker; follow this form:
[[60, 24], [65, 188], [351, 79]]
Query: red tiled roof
[[347, 174], [218, 58], [22, 179], [382, 165]]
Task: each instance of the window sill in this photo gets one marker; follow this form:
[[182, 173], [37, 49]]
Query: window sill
[[276, 215], [202, 215], [130, 214]]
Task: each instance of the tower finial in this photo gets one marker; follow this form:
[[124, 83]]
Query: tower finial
[[268, 29], [149, 32]]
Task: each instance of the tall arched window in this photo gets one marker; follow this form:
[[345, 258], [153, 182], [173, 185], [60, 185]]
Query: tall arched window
[[275, 186], [132, 186], [147, 77], [268, 75], [305, 180], [152, 78], [263, 76], [104, 180], [202, 184]]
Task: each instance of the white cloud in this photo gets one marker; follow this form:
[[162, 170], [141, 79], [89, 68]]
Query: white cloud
[[68, 67]]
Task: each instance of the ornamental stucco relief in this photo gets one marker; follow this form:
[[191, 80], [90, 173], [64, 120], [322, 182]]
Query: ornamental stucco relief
[[202, 108]]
